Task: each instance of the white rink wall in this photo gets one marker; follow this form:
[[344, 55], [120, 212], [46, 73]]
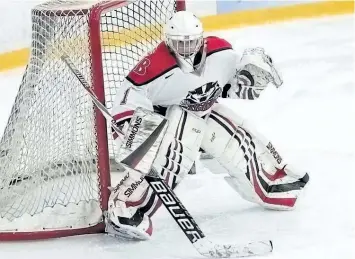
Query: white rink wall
[[15, 19]]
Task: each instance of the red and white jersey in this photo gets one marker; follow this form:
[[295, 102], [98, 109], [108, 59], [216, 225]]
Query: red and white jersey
[[159, 81]]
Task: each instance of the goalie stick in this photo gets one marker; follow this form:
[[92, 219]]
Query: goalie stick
[[174, 206]]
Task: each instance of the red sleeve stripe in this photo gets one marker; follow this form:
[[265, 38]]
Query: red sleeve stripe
[[123, 115]]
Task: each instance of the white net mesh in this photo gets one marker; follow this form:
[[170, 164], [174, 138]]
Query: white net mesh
[[49, 175], [128, 35]]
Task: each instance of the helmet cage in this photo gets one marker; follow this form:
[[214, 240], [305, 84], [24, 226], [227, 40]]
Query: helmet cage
[[185, 46]]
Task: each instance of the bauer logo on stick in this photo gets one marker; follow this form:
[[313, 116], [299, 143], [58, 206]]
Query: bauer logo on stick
[[184, 220]]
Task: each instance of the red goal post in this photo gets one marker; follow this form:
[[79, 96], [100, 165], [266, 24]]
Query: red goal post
[[56, 148]]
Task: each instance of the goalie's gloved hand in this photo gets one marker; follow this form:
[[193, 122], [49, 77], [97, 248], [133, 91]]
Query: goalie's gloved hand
[[255, 72], [257, 69]]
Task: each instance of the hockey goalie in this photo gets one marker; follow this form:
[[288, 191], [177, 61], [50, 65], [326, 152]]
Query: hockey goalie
[[181, 82]]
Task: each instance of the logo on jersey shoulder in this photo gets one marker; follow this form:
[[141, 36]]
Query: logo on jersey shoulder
[[141, 67], [202, 98]]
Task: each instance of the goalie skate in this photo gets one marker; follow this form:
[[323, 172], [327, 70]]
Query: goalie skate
[[139, 227]]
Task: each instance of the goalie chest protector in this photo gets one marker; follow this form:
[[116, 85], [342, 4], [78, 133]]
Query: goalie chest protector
[[166, 84]]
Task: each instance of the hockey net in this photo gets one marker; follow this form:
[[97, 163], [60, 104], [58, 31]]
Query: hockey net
[[56, 147]]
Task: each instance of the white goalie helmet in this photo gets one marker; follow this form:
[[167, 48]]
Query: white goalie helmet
[[184, 35]]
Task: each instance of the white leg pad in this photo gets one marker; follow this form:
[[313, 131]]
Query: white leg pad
[[243, 187], [181, 143], [258, 172], [172, 156]]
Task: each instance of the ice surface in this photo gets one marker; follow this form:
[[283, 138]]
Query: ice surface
[[310, 119]]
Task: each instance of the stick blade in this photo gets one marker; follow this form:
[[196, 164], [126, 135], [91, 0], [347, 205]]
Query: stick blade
[[208, 249]]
